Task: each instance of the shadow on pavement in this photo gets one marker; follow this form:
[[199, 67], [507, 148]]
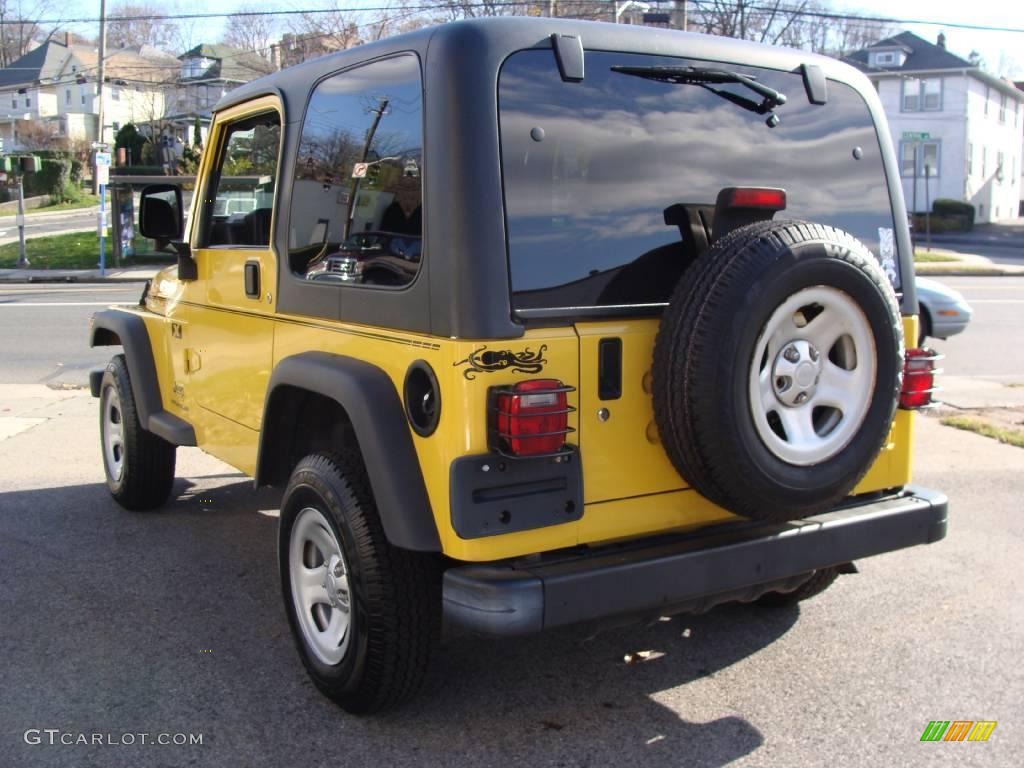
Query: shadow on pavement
[[171, 621]]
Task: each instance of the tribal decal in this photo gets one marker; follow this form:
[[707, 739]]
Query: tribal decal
[[488, 361]]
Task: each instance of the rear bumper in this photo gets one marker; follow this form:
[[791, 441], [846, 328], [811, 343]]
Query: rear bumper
[[685, 573]]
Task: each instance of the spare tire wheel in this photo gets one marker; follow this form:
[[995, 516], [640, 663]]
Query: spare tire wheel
[[777, 369]]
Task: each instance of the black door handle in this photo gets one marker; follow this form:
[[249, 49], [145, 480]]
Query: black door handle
[[252, 279]]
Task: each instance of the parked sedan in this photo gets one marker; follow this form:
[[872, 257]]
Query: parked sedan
[[944, 311]]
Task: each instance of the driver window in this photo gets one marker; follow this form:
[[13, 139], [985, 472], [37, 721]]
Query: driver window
[[242, 197], [356, 203]]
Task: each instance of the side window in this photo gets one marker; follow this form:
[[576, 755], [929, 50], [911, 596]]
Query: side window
[[241, 197], [357, 200]]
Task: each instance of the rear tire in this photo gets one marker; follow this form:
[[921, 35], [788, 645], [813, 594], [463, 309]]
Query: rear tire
[[365, 615], [139, 466]]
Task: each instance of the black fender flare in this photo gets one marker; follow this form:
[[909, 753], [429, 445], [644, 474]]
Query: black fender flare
[[112, 327], [373, 406]]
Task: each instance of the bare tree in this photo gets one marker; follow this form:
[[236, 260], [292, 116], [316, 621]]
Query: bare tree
[[134, 24], [19, 27], [250, 33]]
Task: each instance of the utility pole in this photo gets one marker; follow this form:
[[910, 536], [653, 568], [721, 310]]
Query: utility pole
[[378, 113], [99, 86], [22, 257], [685, 21]]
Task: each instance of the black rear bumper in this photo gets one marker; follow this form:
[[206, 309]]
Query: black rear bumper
[[684, 573]]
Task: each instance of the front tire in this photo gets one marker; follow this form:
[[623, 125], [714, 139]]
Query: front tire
[[365, 615], [139, 466]]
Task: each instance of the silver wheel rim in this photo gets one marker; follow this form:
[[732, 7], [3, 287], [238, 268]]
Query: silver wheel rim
[[812, 375], [320, 586], [112, 432]]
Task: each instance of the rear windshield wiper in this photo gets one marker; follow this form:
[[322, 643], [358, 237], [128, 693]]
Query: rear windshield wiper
[[770, 98]]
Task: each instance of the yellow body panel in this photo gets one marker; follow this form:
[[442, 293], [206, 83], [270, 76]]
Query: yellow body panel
[[462, 429], [623, 456]]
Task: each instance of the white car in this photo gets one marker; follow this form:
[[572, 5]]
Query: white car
[[944, 311]]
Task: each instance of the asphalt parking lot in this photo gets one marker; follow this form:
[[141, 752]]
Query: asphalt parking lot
[[171, 622]]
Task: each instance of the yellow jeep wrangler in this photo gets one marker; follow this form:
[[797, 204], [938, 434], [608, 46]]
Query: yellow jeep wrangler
[[536, 322]]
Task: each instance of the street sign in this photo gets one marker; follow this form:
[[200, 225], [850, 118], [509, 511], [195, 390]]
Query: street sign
[[916, 135], [359, 170], [102, 159], [102, 174]]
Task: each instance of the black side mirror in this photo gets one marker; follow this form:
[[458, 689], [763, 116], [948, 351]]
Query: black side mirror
[[160, 212], [160, 218]]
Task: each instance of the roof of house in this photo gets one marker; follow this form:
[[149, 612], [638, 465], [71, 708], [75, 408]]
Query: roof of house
[[921, 55], [54, 62], [229, 63]]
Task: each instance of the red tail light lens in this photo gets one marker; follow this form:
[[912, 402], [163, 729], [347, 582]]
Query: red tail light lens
[[755, 197], [531, 418], [919, 378]]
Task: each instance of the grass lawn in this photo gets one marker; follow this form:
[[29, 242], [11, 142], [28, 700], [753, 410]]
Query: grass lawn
[[74, 250], [1006, 435], [88, 201], [924, 257]]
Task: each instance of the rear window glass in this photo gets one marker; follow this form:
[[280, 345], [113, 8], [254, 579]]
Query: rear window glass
[[589, 168]]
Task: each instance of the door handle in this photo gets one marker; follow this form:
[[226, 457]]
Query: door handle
[[252, 279], [609, 369]]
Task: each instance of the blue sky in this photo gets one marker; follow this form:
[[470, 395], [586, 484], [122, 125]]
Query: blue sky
[[1003, 52]]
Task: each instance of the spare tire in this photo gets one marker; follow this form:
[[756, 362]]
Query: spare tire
[[777, 369]]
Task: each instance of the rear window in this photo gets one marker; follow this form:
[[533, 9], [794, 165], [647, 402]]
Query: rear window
[[589, 168]]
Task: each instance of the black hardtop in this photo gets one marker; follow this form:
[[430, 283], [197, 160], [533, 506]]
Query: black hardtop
[[463, 287], [471, 42]]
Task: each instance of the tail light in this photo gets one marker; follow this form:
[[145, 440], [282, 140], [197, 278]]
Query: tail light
[[530, 418], [919, 378]]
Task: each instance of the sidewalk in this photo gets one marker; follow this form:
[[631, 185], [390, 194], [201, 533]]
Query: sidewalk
[[115, 275], [963, 265]]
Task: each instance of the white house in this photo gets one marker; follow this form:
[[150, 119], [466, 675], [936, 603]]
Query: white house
[[957, 129], [52, 92]]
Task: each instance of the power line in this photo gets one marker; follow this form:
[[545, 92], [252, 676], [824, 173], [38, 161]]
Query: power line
[[704, 4]]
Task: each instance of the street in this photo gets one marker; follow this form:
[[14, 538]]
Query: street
[[39, 224], [172, 621], [45, 330]]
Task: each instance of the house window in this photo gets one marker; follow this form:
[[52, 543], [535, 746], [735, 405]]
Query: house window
[[14, 102], [911, 94], [28, 102], [83, 96], [987, 93], [984, 161], [115, 94], [1002, 109], [999, 167], [885, 59], [926, 155], [970, 159], [67, 95], [922, 95]]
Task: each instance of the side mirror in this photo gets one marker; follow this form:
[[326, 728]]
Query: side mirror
[[160, 212], [160, 218]]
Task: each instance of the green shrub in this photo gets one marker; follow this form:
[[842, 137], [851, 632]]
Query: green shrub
[[957, 209]]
